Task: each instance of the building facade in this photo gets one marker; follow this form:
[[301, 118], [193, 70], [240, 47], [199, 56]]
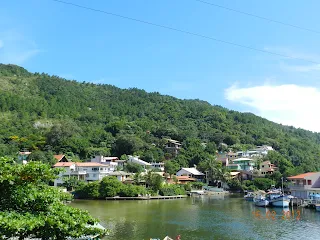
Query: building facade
[[304, 185]]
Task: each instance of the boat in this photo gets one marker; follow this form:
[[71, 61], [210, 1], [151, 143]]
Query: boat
[[261, 201], [249, 197], [282, 201], [277, 199]]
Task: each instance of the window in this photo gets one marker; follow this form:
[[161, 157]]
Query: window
[[304, 182], [101, 169], [309, 182], [262, 166], [95, 169]]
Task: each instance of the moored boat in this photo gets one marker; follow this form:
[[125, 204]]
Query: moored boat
[[261, 201], [249, 197]]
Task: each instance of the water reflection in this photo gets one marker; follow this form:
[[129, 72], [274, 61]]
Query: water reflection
[[202, 218]]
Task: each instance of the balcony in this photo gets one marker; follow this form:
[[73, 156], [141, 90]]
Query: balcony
[[298, 186], [78, 173]]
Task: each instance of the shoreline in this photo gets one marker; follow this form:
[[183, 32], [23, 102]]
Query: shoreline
[[147, 198]]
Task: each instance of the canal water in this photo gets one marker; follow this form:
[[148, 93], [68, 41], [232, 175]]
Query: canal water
[[202, 217]]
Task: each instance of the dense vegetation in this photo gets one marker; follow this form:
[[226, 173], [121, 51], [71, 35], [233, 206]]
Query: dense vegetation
[[31, 208], [50, 114], [111, 187]]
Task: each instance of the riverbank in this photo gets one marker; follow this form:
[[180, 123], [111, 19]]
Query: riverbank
[[147, 198], [204, 217]]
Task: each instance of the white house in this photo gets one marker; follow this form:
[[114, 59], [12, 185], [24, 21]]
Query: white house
[[305, 184], [111, 162], [135, 159], [121, 175], [87, 171], [159, 165], [191, 172]]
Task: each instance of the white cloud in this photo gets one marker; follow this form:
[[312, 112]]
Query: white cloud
[[288, 104], [16, 48]]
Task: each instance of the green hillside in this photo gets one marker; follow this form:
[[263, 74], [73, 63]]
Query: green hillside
[[46, 113]]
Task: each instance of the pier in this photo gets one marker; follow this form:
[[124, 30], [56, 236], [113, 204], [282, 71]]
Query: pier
[[147, 197]]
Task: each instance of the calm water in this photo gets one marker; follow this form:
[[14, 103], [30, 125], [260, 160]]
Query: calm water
[[199, 218]]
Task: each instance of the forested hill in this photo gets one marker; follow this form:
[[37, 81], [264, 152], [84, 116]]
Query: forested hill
[[48, 113]]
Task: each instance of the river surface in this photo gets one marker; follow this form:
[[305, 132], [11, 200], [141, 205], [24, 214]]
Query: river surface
[[201, 218]]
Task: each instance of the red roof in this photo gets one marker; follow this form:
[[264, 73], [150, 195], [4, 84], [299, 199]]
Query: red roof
[[185, 178], [302, 176], [58, 157]]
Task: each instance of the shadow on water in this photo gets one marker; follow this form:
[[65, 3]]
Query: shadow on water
[[202, 217]]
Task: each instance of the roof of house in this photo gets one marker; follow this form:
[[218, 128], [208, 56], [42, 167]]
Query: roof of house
[[193, 171], [120, 173], [266, 162], [185, 178], [233, 164], [139, 161], [78, 164], [58, 157], [64, 164], [111, 158], [89, 164], [302, 176], [242, 159]]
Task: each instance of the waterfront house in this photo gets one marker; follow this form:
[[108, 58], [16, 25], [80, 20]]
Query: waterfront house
[[86, 171], [61, 158], [122, 176], [173, 147], [191, 172], [185, 179], [305, 184], [111, 162]]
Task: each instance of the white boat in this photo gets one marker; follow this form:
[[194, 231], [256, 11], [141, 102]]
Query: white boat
[[278, 200], [261, 201], [249, 197]]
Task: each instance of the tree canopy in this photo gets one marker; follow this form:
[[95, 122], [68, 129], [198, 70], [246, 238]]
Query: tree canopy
[[48, 113], [29, 207]]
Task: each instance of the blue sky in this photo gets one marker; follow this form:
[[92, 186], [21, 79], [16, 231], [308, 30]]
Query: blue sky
[[46, 36]]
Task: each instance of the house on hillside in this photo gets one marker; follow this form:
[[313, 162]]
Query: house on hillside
[[304, 185], [191, 172], [173, 147], [111, 162], [23, 156], [135, 159], [231, 156], [266, 168], [122, 176], [245, 164], [61, 158], [86, 171], [223, 159], [158, 165]]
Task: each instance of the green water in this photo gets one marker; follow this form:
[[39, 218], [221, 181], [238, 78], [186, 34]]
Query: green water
[[199, 218]]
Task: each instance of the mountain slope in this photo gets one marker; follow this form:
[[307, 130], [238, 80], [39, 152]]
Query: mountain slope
[[43, 112]]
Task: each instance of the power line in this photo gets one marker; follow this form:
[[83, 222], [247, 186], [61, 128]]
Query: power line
[[259, 17], [183, 31]]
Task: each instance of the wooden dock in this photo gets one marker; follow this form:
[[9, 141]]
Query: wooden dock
[[147, 198]]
